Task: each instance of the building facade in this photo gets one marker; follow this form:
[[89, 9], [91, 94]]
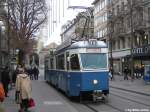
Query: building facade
[[127, 29], [100, 19], [80, 28]]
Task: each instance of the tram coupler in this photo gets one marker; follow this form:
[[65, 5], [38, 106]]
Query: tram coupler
[[98, 95]]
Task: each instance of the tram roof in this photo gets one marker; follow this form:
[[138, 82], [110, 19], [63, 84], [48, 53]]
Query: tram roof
[[82, 44]]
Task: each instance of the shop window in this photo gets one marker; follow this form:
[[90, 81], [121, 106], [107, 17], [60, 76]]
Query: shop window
[[74, 61]]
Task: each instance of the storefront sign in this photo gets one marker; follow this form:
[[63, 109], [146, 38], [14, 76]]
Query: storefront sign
[[145, 50]]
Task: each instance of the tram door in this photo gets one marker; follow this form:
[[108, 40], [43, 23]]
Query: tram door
[[68, 73]]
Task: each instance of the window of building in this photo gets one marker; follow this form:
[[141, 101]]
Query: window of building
[[145, 40], [123, 42], [122, 6], [128, 22], [74, 62], [149, 14], [109, 1], [102, 4], [117, 9], [129, 42], [118, 42], [141, 15], [137, 41], [113, 45]]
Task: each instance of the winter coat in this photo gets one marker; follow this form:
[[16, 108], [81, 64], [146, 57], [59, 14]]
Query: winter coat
[[5, 77], [23, 84]]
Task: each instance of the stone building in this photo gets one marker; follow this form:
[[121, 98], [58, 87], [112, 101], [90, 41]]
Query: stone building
[[128, 31], [100, 19], [82, 27]]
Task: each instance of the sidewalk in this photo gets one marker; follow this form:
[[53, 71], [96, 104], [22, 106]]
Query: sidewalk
[[47, 99], [9, 104], [137, 85]]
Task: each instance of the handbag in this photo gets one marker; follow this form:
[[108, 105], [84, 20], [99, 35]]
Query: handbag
[[31, 103], [18, 97]]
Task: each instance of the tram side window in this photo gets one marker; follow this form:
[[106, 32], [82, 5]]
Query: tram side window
[[52, 63], [60, 62], [46, 65], [67, 62], [74, 62]]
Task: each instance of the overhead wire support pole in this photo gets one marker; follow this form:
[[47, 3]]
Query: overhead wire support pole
[[59, 11], [56, 13], [63, 8], [51, 17], [132, 36], [111, 30]]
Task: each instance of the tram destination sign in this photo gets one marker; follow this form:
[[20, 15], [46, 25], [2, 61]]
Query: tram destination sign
[[145, 50], [96, 50]]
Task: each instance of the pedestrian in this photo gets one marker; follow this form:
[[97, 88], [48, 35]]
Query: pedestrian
[[16, 72], [5, 80], [111, 71], [36, 73], [142, 71], [23, 87], [126, 71]]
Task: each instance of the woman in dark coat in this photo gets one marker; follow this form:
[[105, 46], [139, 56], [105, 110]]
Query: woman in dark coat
[[5, 79]]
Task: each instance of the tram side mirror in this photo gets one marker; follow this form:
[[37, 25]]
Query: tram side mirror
[[68, 59]]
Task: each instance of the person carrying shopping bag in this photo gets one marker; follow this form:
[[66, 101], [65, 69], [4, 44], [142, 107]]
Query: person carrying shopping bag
[[23, 90]]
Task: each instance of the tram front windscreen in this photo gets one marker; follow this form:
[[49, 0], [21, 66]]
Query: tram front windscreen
[[94, 60]]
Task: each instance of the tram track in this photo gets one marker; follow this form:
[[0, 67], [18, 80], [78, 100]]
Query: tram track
[[106, 104], [130, 99], [131, 91], [91, 108]]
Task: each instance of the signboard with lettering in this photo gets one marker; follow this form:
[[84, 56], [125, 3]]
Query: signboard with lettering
[[145, 50]]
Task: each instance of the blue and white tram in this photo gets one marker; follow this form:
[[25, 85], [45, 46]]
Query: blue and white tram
[[80, 68]]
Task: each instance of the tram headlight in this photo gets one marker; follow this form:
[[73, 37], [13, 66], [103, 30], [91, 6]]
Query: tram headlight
[[95, 81]]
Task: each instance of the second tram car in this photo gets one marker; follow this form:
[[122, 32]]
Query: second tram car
[[79, 69]]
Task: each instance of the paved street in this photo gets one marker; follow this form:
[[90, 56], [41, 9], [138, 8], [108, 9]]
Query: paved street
[[137, 85], [125, 94]]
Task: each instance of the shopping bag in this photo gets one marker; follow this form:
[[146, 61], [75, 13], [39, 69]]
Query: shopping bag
[[31, 103], [18, 97], [2, 93]]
